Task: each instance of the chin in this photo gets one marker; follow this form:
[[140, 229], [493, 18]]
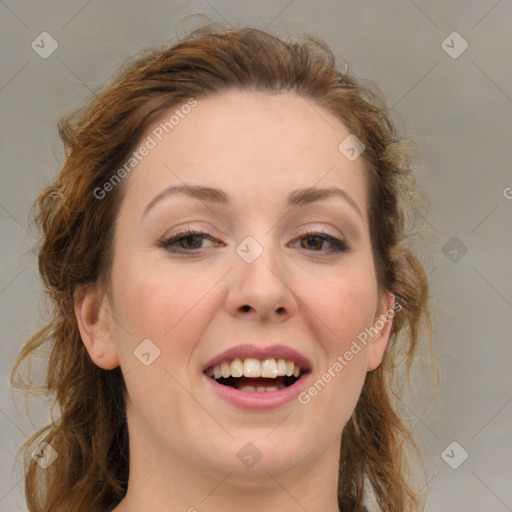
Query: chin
[[257, 452]]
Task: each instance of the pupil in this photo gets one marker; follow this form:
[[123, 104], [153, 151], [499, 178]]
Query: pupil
[[188, 238], [310, 238]]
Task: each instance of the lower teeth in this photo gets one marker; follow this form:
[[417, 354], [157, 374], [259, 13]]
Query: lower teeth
[[260, 389], [272, 386]]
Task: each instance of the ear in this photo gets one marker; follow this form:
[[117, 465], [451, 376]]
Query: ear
[[95, 323], [381, 330]]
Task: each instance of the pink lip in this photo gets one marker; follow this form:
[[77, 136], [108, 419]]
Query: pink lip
[[261, 353], [252, 400]]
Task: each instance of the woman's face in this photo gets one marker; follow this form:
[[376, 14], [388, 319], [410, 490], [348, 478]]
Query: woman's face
[[265, 280]]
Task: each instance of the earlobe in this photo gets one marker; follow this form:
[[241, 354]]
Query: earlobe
[[92, 312], [382, 328]]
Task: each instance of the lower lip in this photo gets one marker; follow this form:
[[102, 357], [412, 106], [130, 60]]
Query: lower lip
[[258, 401]]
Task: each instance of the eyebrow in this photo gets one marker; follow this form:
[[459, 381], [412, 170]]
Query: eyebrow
[[299, 197]]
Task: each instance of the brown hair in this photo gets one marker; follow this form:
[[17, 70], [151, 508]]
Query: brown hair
[[89, 430]]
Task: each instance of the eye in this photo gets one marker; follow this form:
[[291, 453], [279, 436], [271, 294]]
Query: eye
[[188, 241], [315, 241]]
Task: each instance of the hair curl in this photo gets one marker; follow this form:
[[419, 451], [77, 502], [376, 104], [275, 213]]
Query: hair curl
[[89, 429]]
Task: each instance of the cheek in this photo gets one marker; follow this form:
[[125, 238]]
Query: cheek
[[348, 308], [161, 304], [347, 305]]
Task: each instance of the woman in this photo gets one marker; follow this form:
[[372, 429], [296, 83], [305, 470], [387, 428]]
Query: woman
[[232, 296]]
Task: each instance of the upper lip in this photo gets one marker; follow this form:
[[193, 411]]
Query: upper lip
[[261, 353]]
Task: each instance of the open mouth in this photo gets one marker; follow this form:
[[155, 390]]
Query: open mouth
[[256, 375]]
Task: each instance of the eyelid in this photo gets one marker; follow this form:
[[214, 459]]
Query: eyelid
[[339, 245], [168, 240], [317, 231]]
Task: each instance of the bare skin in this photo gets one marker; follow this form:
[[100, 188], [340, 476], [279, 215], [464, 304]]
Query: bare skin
[[184, 438]]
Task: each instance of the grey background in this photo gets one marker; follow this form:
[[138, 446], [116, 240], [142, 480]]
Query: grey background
[[459, 108]]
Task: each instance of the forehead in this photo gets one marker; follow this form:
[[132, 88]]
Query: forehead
[[259, 146]]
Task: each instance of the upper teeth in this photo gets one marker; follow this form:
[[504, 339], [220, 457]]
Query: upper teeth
[[251, 367]]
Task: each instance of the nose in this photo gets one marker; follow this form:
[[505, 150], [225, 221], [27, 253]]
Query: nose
[[262, 289]]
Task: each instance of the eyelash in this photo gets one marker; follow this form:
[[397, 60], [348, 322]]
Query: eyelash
[[337, 244]]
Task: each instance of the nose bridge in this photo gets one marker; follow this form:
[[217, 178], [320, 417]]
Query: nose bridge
[[259, 282]]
